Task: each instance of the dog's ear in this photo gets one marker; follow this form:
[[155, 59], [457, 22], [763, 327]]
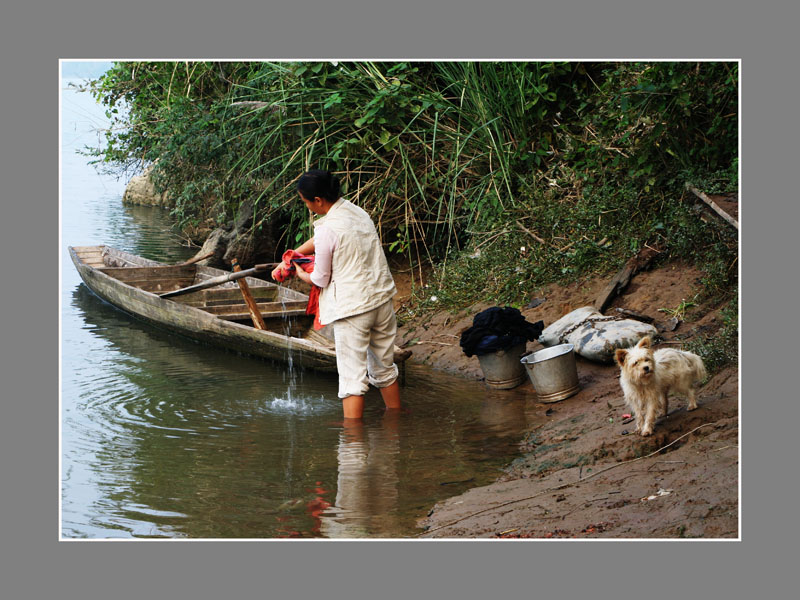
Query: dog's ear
[[620, 355], [644, 342]]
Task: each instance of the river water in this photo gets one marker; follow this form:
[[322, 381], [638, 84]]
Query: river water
[[162, 437]]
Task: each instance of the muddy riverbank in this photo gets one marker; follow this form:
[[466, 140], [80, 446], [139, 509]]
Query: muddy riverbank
[[581, 472]]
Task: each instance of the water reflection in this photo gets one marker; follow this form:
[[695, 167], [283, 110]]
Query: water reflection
[[185, 440], [367, 486], [500, 408], [176, 439]]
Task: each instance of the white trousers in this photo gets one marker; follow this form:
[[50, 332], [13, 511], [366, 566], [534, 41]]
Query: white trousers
[[365, 350]]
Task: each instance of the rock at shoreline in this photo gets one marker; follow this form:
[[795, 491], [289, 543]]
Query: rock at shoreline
[[140, 190], [236, 240]]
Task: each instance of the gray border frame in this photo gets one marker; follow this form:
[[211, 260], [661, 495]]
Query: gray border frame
[[35, 35]]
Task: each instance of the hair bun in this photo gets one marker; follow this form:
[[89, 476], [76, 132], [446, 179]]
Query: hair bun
[[319, 183]]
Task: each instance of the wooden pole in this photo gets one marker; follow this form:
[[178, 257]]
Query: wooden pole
[[252, 306], [713, 205], [219, 280]]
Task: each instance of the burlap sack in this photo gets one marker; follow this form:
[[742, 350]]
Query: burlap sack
[[594, 336]]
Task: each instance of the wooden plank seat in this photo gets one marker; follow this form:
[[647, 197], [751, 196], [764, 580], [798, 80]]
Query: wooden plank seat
[[268, 310], [154, 279], [226, 295], [245, 315], [91, 255]]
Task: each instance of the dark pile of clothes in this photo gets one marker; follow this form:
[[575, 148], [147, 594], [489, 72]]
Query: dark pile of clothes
[[498, 328]]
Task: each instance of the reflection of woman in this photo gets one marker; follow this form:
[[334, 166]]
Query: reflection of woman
[[367, 487], [357, 291]]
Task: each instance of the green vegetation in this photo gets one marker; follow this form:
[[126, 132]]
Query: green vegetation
[[722, 348], [679, 312], [503, 176]]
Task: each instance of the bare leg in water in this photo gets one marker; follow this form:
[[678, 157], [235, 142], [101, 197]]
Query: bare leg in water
[[353, 406]]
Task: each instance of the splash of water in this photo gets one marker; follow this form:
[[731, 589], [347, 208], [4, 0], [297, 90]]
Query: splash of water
[[291, 403], [290, 374]]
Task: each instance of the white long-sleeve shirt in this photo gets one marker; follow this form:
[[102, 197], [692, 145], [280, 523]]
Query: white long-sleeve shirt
[[325, 244]]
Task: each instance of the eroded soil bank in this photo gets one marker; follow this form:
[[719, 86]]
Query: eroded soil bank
[[582, 472]]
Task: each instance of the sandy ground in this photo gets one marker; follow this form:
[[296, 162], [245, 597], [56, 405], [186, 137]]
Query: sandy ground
[[581, 472]]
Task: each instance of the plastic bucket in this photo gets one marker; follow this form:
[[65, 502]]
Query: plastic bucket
[[553, 372], [502, 370]]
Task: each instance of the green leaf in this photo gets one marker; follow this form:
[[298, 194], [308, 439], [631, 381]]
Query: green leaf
[[335, 98]]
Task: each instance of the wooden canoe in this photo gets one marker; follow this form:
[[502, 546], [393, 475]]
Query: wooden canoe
[[218, 315]]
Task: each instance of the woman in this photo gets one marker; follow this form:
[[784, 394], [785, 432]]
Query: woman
[[356, 292]]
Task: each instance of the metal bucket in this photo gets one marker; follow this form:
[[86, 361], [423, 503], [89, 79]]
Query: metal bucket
[[502, 370], [553, 372]]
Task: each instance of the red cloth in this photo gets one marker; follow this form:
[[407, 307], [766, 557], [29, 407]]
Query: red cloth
[[288, 270]]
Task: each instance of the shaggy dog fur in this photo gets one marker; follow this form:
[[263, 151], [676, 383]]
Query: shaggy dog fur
[[648, 377]]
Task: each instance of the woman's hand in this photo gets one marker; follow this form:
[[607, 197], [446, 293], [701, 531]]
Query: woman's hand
[[301, 274], [275, 272]]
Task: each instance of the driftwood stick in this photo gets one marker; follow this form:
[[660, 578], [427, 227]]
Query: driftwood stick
[[530, 233], [643, 258], [255, 104], [195, 259], [713, 205]]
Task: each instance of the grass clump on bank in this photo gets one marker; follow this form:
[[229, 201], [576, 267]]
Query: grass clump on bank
[[722, 348], [589, 236]]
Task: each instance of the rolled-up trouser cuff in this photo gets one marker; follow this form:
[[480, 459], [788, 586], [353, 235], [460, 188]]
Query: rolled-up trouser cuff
[[351, 387], [386, 377]]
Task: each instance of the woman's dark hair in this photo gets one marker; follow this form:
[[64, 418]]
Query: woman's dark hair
[[319, 183]]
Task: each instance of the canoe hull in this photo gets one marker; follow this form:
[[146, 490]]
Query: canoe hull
[[200, 325]]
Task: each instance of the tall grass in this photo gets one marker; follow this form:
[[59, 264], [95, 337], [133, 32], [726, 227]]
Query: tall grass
[[428, 148], [445, 156]]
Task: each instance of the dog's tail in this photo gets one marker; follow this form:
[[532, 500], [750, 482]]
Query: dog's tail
[[699, 368]]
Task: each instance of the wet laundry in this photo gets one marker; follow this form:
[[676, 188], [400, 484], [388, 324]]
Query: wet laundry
[[498, 328], [292, 260]]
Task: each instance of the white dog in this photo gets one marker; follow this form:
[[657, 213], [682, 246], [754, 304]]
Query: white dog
[[648, 377]]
